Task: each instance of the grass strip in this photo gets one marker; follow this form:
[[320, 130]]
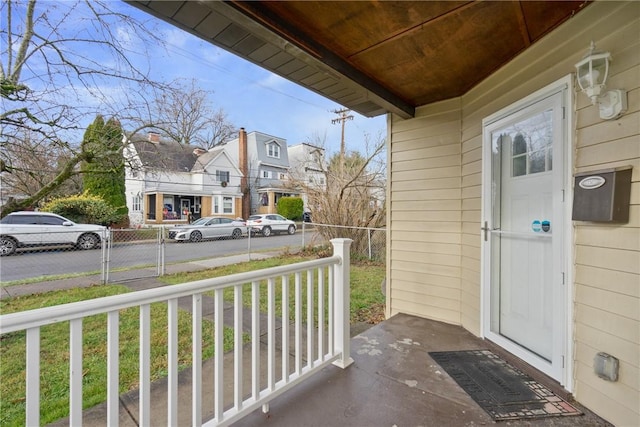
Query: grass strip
[[54, 354], [366, 284]]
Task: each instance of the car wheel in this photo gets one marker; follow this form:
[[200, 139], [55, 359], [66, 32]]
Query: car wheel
[[292, 229], [196, 236], [237, 233], [266, 231], [8, 245], [88, 241]]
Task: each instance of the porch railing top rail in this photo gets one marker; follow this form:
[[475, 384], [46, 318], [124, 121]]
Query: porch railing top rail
[[77, 310]]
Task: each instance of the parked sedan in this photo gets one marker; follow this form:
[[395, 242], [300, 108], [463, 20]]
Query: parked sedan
[[208, 228], [266, 224], [27, 229]]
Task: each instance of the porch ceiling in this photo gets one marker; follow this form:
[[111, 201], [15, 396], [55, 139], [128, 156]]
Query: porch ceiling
[[372, 56]]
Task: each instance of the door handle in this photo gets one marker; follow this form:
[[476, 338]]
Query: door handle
[[485, 230]]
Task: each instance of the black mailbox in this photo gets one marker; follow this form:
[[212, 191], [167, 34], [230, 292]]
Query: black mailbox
[[602, 196]]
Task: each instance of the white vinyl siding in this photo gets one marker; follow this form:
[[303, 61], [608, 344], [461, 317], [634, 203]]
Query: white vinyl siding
[[426, 214], [607, 269]]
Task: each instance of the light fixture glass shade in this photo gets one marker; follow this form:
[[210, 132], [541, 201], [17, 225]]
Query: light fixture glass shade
[[593, 71]]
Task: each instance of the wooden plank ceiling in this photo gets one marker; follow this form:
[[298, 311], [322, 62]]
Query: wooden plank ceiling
[[372, 56]]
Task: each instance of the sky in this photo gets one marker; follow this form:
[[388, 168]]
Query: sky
[[254, 98], [251, 97]]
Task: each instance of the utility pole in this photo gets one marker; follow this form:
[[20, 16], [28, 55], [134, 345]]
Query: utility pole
[[343, 116]]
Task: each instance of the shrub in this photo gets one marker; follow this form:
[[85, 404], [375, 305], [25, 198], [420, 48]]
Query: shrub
[[84, 208], [291, 207]]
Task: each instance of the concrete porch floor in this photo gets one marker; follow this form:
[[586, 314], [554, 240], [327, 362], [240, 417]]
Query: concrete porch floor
[[394, 382]]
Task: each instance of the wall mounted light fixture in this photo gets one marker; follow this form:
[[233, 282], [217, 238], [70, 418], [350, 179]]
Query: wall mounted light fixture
[[593, 71]]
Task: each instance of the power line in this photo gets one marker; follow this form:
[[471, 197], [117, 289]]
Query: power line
[[343, 116]]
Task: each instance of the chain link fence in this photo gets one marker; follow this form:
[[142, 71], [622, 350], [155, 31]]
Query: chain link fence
[[368, 243], [115, 255]]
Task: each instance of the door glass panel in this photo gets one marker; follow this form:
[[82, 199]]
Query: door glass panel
[[522, 261]]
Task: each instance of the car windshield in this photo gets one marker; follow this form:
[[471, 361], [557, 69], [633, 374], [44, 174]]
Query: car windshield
[[200, 221]]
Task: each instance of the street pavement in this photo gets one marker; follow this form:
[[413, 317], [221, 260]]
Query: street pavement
[[137, 279]]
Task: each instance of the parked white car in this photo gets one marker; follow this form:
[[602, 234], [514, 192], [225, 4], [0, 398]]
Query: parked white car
[[267, 224], [25, 229], [208, 228]]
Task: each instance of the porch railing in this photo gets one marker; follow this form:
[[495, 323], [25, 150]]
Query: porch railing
[[316, 335]]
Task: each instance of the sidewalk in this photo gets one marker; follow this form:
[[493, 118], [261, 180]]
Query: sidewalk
[[137, 279]]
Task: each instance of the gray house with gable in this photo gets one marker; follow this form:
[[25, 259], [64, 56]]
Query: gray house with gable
[[264, 161]]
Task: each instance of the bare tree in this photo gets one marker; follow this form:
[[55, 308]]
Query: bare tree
[[352, 195], [185, 114], [61, 64], [34, 164]]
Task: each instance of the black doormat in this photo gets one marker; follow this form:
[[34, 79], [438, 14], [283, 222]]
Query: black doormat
[[499, 388]]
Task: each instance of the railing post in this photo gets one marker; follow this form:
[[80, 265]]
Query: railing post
[[342, 323]]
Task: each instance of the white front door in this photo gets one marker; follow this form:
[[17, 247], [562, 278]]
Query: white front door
[[524, 253]]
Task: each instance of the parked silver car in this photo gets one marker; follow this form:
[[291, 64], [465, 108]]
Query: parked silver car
[[26, 228], [266, 224], [208, 228]]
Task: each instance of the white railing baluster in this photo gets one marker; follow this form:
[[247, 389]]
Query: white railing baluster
[[218, 388], [145, 365], [172, 362], [298, 322], [330, 311], [255, 339], [285, 329], [33, 376], [113, 367], [330, 304], [75, 372], [238, 345], [196, 360], [271, 334], [310, 320], [321, 314]]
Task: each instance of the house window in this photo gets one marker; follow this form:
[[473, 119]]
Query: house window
[[222, 176], [222, 205], [283, 176], [136, 203], [227, 205], [273, 150], [266, 174]]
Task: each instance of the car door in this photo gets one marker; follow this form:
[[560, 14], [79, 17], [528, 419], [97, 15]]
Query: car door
[[25, 228], [211, 228], [278, 223], [54, 232], [226, 227]]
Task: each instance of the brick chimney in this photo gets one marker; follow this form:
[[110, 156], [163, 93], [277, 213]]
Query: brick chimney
[[154, 137], [243, 159]]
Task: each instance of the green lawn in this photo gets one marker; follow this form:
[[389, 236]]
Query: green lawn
[[367, 299], [54, 355]]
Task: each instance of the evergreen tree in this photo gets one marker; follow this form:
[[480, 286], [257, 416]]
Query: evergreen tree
[[104, 175]]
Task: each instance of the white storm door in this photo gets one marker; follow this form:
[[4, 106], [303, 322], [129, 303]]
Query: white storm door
[[524, 229]]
